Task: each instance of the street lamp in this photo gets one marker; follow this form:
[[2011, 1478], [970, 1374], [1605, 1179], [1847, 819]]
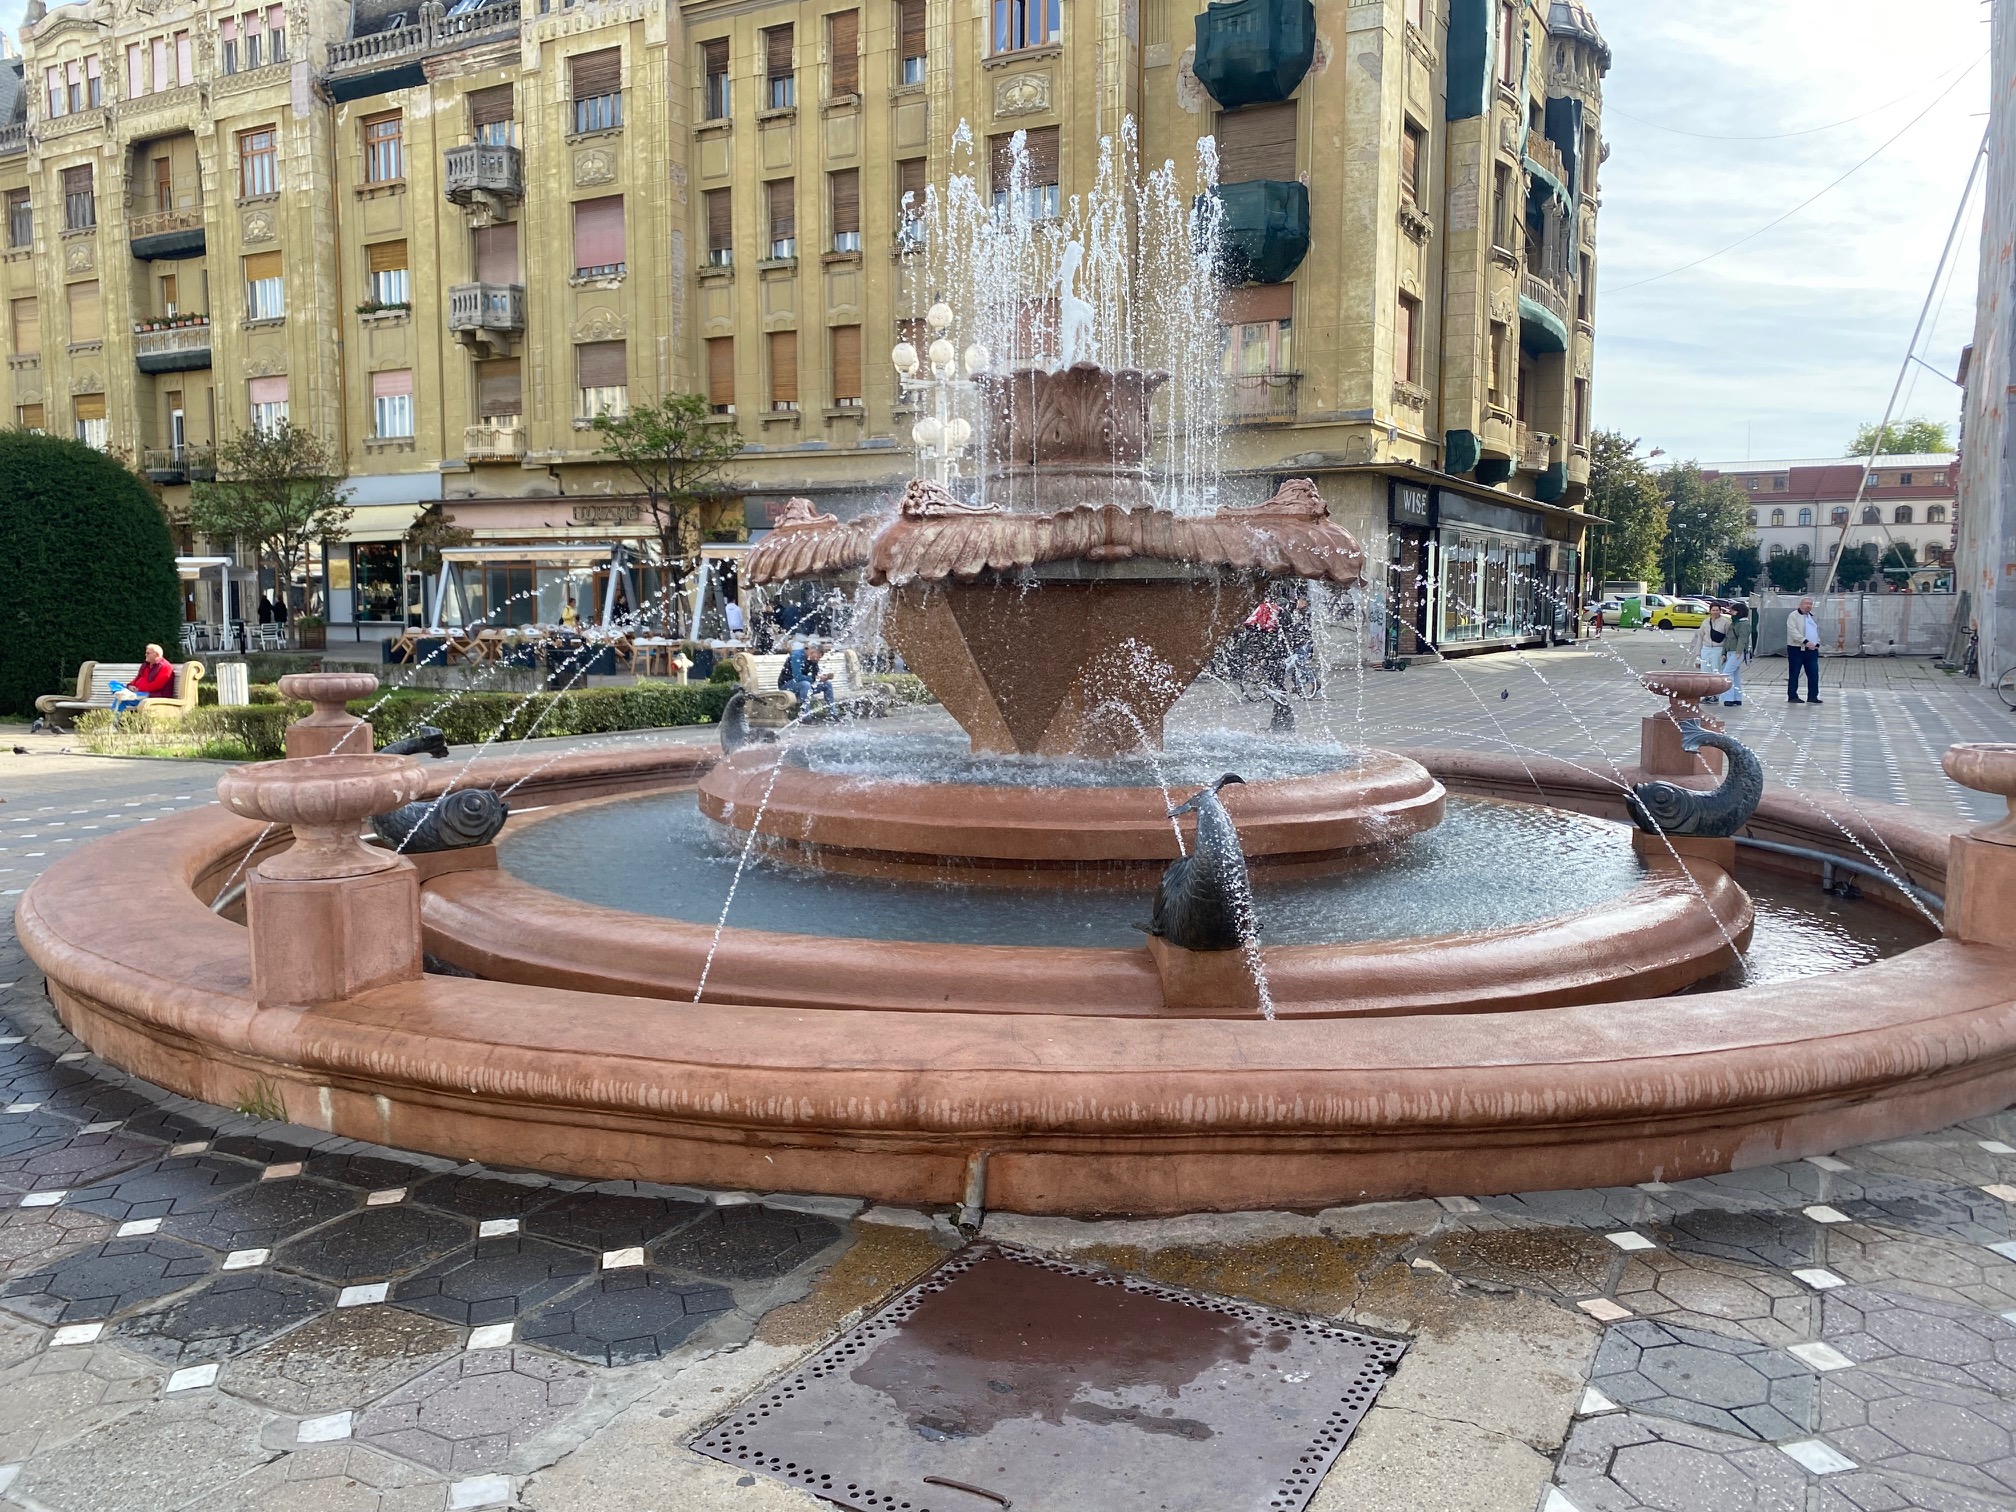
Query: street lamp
[[933, 382]]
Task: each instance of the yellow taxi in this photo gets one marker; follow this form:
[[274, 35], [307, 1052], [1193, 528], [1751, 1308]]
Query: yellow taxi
[[1664, 613]]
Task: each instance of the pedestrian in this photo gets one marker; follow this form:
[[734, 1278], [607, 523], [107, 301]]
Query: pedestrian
[[801, 674], [1709, 642], [736, 622], [265, 608], [155, 679], [1802, 652], [1736, 650], [569, 615]]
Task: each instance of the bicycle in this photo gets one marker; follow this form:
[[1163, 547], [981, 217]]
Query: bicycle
[[2005, 688]]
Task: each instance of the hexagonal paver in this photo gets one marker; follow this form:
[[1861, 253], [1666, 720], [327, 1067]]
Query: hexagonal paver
[[95, 1102], [1567, 1262], [1869, 1491], [1924, 1265], [61, 1393], [604, 1221], [375, 1244], [176, 1452], [168, 1125], [1605, 1208], [105, 1279], [1953, 1159], [1794, 1184], [179, 1184], [483, 1197], [21, 1133], [1751, 1237], [625, 1317], [1923, 1207], [32, 1237], [367, 1173], [262, 1149], [468, 1414], [1720, 1296], [496, 1281], [746, 1241], [332, 1477], [264, 1214], [1730, 1385], [1901, 1334], [1931, 1429], [75, 1162], [240, 1310], [342, 1360], [1626, 1462]]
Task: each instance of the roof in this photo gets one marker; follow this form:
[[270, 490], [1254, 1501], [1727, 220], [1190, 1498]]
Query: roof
[[13, 97], [1567, 18], [1887, 460]]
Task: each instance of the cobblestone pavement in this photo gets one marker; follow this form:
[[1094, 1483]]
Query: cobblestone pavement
[[200, 1309]]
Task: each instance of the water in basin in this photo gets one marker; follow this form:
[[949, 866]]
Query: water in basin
[[1190, 760]]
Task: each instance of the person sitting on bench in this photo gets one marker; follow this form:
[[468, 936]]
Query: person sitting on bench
[[155, 679], [801, 674]]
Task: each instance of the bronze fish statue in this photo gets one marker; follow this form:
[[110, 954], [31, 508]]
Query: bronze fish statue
[[466, 817], [1205, 897], [425, 740], [1667, 808], [735, 730]]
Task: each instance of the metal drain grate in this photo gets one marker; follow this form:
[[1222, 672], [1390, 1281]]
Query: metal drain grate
[[1007, 1380]]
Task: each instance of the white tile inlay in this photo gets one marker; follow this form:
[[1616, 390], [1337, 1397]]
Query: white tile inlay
[[284, 1169], [247, 1259], [616, 1259], [1593, 1402], [2001, 1191], [1821, 1356], [490, 1336], [1556, 1502], [133, 1228], [76, 1333], [1819, 1456], [1827, 1163], [7, 1474], [1824, 1214], [102, 1128], [193, 1147], [1820, 1280], [323, 1430], [71, 1055], [1459, 1204], [1603, 1310], [1997, 1147], [22, 1107], [1630, 1239], [189, 1377], [363, 1296], [489, 1491], [43, 1199], [493, 1228], [386, 1198]]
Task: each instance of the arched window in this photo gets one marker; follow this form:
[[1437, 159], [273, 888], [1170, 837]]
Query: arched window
[[1753, 517], [1902, 515], [1935, 514], [1777, 551], [1805, 517], [1871, 515], [1778, 517], [1838, 514]]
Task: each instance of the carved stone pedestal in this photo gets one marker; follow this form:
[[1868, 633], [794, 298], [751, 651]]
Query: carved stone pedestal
[[1660, 753], [331, 729], [1717, 848], [1981, 868], [1204, 981]]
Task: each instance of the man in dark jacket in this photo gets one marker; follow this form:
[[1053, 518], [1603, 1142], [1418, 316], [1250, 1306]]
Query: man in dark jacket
[[802, 675]]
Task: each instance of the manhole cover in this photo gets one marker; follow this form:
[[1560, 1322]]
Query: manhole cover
[[1003, 1379]]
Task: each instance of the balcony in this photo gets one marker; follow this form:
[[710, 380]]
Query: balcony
[[391, 59], [1536, 449], [13, 139], [1255, 398], [1264, 229], [481, 173], [1254, 52], [170, 234], [178, 464], [1543, 314], [1547, 154], [179, 349], [493, 443], [486, 315], [1546, 293]]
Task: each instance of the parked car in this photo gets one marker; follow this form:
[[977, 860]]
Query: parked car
[[1610, 611], [1674, 614]]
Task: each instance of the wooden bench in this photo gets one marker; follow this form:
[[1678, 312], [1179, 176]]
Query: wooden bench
[[774, 707], [94, 691]]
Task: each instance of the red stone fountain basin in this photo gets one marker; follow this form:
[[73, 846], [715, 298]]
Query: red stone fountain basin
[[1007, 835]]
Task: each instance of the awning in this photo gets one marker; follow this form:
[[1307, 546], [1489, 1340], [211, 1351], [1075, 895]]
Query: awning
[[380, 522]]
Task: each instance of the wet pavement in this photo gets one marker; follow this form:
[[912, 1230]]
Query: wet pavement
[[201, 1309]]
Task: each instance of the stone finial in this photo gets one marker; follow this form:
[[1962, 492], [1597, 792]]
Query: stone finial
[[331, 728], [325, 800], [800, 513], [1987, 767]]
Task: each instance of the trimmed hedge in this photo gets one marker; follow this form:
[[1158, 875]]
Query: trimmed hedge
[[87, 567]]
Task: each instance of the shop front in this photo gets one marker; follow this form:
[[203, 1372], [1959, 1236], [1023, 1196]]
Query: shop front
[[1503, 574]]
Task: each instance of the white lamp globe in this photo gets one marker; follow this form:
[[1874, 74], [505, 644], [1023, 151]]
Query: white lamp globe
[[942, 353], [938, 316], [905, 358], [957, 433], [927, 432], [977, 359]]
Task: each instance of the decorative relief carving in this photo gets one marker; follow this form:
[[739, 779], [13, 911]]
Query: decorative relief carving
[[79, 256], [1022, 94], [258, 227], [27, 396], [595, 165], [1502, 306], [266, 362], [1581, 361], [90, 381], [600, 323]]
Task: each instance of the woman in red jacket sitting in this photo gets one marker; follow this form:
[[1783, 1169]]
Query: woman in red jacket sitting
[[155, 679]]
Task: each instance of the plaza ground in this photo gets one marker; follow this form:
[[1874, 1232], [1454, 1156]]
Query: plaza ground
[[1826, 1335]]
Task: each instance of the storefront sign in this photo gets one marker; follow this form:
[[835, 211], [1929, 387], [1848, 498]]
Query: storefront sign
[[1453, 508], [607, 514], [1410, 504]]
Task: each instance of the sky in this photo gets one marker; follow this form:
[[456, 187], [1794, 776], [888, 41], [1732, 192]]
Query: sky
[[1783, 346]]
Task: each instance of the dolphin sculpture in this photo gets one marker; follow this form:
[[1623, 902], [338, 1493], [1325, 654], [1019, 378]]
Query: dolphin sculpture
[[1670, 809], [1203, 896], [425, 740], [466, 817], [735, 731]]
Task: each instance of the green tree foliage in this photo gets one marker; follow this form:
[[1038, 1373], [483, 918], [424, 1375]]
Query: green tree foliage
[[87, 566], [1625, 492], [1900, 560], [279, 490], [431, 533], [1790, 571], [1704, 522], [1914, 437], [1746, 566], [676, 451]]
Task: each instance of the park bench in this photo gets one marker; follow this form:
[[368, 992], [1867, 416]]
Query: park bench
[[94, 691], [773, 707]]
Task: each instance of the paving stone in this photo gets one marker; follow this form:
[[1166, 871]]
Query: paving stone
[[604, 1221], [747, 1242], [1751, 1237], [1604, 1208], [23, 1133], [368, 1173], [105, 1279], [467, 1415], [1791, 1185], [261, 1149], [236, 1312], [1935, 1430], [375, 1244], [178, 1184], [263, 1214], [1902, 1334], [33, 1237], [624, 1317], [1927, 1266], [1921, 1207], [1565, 1262], [342, 1360], [94, 1101], [76, 1162], [482, 1197], [1869, 1491], [171, 1453], [495, 1281], [1720, 1296], [1628, 1462], [1946, 1160], [1730, 1385], [339, 1477], [169, 1125], [65, 1392]]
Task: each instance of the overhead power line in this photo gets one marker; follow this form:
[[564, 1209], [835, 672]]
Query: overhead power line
[[1781, 136]]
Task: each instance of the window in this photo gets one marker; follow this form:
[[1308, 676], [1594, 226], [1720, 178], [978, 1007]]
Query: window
[[164, 184], [185, 59], [27, 326], [1871, 515], [1026, 23], [1753, 519], [1417, 14], [136, 79], [1778, 485], [392, 405], [1935, 514], [496, 249], [55, 104], [1905, 479], [1038, 172], [493, 116], [721, 374], [88, 417], [1838, 515], [1805, 517], [783, 83], [161, 78], [87, 312], [598, 237], [276, 34], [846, 366], [1413, 147], [80, 203], [783, 203], [1501, 337], [910, 16], [1406, 340], [596, 82], [170, 286], [1777, 517], [29, 418], [94, 86], [783, 370], [384, 161], [714, 75], [20, 219], [910, 201], [1257, 143], [843, 54], [268, 398], [227, 44], [720, 204], [1585, 288], [1902, 515], [500, 391], [1511, 44], [265, 295], [1504, 208], [844, 190], [250, 38], [1753, 485], [386, 274], [1582, 418], [603, 369], [258, 162], [1258, 344]]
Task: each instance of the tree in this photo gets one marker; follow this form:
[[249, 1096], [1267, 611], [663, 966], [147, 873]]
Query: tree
[[1625, 492], [279, 489], [1856, 567], [1746, 566], [1900, 560], [676, 451], [434, 530], [87, 566], [1790, 571], [1704, 522], [1914, 437]]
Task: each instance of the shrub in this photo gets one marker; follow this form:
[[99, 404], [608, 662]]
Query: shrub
[[87, 567], [250, 733], [724, 672], [904, 687]]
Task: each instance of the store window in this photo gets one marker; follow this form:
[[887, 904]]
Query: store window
[[377, 583]]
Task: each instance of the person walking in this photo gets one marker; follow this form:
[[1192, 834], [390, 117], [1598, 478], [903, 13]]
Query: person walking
[[1710, 641], [1802, 652], [1736, 650]]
